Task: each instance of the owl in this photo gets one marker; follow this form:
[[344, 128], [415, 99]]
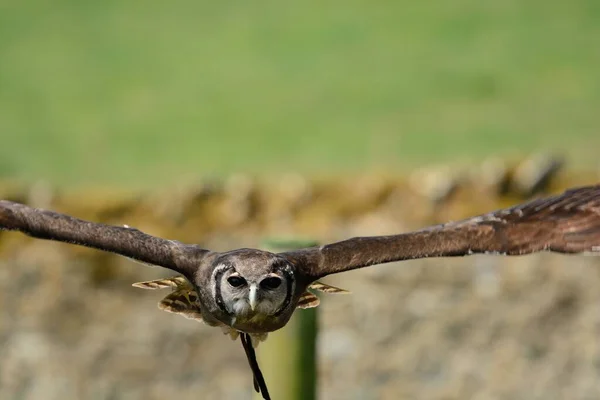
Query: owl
[[184, 299]]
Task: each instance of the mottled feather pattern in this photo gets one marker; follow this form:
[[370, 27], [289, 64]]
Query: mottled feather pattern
[[308, 300], [173, 282], [184, 298], [325, 288], [182, 302]]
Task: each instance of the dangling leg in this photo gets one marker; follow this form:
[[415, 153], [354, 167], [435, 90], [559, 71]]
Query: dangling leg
[[259, 381]]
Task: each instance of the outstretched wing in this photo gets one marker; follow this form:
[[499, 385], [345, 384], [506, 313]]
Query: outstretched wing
[[566, 223], [122, 240]]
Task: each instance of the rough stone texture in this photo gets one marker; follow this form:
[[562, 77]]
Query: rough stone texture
[[482, 327]]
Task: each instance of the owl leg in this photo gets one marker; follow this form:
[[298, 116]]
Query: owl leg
[[245, 343], [259, 381]]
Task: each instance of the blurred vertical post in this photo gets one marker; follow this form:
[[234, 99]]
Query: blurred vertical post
[[288, 359]]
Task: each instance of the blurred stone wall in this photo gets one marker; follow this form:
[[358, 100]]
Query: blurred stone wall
[[481, 327]]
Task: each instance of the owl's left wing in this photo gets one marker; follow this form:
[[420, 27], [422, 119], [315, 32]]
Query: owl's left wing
[[122, 240], [566, 223]]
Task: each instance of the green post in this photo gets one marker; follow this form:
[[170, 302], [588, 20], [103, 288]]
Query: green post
[[288, 358]]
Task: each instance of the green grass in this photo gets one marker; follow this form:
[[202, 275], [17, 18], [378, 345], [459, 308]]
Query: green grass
[[138, 92]]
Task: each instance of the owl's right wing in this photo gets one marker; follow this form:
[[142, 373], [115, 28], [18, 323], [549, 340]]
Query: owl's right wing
[[122, 240], [183, 302]]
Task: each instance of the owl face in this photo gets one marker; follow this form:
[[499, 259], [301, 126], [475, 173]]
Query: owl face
[[252, 286], [252, 295]]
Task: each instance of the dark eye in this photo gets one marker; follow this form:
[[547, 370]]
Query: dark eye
[[236, 281], [270, 283]]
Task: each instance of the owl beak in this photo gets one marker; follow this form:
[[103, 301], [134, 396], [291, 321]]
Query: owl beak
[[252, 297]]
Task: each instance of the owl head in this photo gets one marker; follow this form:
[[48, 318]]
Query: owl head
[[251, 283]]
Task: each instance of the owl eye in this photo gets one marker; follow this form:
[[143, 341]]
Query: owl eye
[[270, 283], [236, 281]]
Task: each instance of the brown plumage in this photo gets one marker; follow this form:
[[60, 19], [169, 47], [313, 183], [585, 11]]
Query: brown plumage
[[255, 292], [183, 300], [566, 223]]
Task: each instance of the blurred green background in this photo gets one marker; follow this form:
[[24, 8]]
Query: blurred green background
[[147, 92]]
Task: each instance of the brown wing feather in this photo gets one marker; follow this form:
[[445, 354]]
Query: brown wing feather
[[173, 282], [566, 223], [308, 300], [122, 240], [325, 288], [182, 302]]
